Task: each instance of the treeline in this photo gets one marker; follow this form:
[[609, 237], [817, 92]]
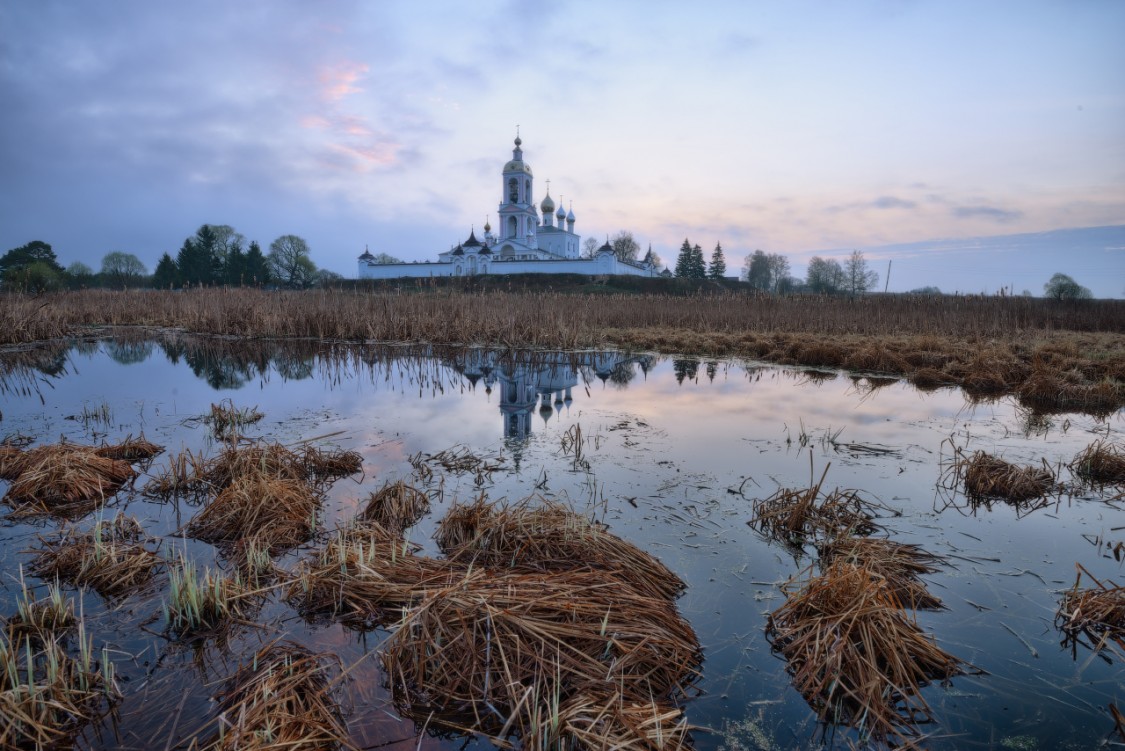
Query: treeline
[[216, 255]]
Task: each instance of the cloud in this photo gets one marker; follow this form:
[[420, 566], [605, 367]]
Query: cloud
[[1004, 216], [891, 202]]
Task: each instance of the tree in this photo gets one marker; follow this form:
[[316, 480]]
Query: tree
[[825, 276], [385, 258], [1062, 287], [227, 241], [196, 259], [756, 270], [326, 278], [256, 269], [78, 275], [35, 251], [653, 257], [698, 265], [589, 247], [718, 268], [684, 260], [37, 276], [166, 275], [122, 269], [858, 279], [779, 271], [625, 247], [289, 262]]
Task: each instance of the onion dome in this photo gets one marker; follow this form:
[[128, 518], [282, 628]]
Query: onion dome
[[548, 205], [561, 214], [366, 255], [487, 226], [570, 215], [472, 242]]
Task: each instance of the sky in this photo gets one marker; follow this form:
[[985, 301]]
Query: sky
[[797, 127]]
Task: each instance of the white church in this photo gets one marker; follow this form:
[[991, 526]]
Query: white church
[[525, 244]]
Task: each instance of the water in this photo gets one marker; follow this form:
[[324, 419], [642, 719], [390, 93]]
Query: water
[[673, 453]]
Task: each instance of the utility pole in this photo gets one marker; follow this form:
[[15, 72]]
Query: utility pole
[[888, 284]]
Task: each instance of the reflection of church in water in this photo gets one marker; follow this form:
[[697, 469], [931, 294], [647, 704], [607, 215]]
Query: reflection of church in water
[[544, 385]]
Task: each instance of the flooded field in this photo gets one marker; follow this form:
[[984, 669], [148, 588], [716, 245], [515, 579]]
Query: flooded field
[[675, 456]]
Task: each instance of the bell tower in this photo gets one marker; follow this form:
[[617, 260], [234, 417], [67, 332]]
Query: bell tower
[[518, 218]]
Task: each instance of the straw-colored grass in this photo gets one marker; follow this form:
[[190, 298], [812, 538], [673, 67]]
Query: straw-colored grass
[[10, 459], [1098, 612], [540, 535], [44, 619], [227, 421], [327, 464], [984, 476], [1101, 462], [46, 695], [130, 450], [855, 656], [64, 480], [898, 564], [793, 515], [548, 657], [396, 507], [280, 700], [113, 558], [279, 512]]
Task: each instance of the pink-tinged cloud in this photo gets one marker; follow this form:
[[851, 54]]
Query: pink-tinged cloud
[[315, 122], [370, 156], [338, 81]]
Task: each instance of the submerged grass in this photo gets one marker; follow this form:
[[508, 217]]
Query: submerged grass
[[112, 558]]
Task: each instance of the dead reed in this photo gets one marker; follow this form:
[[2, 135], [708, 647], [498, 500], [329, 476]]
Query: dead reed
[[279, 512], [227, 421], [536, 534], [46, 695], [396, 507], [113, 558], [793, 515], [323, 464], [984, 476], [1098, 612], [897, 564], [130, 450], [855, 656], [1101, 462], [545, 657], [64, 480], [281, 699]]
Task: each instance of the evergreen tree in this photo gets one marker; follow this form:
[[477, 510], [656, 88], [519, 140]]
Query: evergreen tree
[[234, 270], [255, 267], [167, 274], [698, 265], [683, 261], [718, 267], [192, 268]]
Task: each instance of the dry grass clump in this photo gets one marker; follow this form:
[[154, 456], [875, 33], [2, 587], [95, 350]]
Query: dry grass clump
[[1100, 462], [130, 450], [198, 606], [324, 464], [43, 619], [365, 576], [548, 657], [897, 564], [540, 535], [227, 421], [396, 506], [113, 558], [10, 458], [984, 476], [279, 512], [280, 700], [1098, 612], [791, 515], [46, 695], [63, 479], [1070, 392], [184, 475], [854, 655]]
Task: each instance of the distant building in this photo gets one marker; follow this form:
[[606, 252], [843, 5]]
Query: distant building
[[524, 244]]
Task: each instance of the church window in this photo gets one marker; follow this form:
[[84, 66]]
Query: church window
[[511, 226], [527, 191], [513, 191]]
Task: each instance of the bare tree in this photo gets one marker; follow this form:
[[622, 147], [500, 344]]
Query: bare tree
[[589, 247], [858, 279], [290, 263], [825, 275], [122, 269], [625, 247]]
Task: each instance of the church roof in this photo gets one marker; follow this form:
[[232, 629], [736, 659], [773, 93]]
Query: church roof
[[484, 251], [607, 248], [458, 251], [366, 255], [472, 242]]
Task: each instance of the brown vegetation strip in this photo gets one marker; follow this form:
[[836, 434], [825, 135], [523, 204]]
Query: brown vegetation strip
[[113, 558], [791, 515], [396, 507], [984, 476], [897, 564], [1055, 356], [1097, 611], [1100, 462]]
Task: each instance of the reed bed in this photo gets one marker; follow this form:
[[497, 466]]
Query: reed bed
[[46, 695], [793, 515], [48, 618], [63, 479], [856, 657], [396, 507], [1098, 612], [324, 464], [227, 421], [984, 477], [184, 475], [1101, 462], [281, 699], [279, 513], [898, 565], [130, 450], [540, 535], [548, 657], [113, 558]]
